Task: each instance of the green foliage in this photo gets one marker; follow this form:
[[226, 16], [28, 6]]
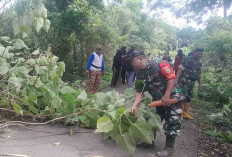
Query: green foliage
[[127, 130], [35, 15]]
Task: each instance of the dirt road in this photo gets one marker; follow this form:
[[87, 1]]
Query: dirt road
[[16, 140]]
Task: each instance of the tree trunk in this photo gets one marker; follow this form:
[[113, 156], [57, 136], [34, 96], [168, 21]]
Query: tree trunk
[[225, 8]]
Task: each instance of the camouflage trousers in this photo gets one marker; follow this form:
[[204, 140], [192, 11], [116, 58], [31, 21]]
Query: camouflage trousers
[[94, 81], [172, 116]]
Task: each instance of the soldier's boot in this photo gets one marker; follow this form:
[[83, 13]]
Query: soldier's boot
[[168, 151], [186, 111], [183, 111]]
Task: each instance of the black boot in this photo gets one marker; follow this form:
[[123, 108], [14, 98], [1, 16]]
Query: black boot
[[168, 151]]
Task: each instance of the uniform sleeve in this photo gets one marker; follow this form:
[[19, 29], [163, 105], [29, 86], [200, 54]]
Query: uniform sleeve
[[167, 71]]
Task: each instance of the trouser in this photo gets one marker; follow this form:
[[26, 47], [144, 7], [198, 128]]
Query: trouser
[[172, 116], [94, 82], [130, 78], [123, 74], [116, 72]]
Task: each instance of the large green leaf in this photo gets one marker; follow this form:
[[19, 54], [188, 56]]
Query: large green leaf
[[104, 124], [15, 83], [126, 142], [142, 131], [56, 103], [46, 25], [19, 70], [61, 69], [39, 23], [67, 89], [69, 103], [18, 109], [4, 66], [4, 52], [82, 96], [19, 44]]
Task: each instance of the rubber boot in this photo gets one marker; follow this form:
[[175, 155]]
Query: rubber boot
[[168, 151], [183, 111], [186, 111]]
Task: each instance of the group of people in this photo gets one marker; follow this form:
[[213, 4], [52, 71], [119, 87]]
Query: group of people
[[122, 65], [160, 79]]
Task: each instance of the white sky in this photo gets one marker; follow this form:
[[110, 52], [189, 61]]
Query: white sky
[[171, 19]]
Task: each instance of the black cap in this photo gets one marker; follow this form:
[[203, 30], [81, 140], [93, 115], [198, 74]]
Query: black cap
[[134, 54], [198, 49]]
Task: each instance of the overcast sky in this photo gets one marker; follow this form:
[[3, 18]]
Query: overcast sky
[[168, 16], [171, 19]]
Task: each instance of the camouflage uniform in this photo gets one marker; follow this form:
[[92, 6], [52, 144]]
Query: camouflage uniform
[[154, 81], [191, 72]]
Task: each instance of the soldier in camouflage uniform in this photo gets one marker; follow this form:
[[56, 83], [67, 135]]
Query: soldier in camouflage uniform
[[189, 71], [157, 77]]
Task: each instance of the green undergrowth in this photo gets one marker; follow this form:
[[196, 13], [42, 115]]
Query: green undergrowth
[[214, 121]]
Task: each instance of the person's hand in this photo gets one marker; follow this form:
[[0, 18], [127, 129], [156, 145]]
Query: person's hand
[[166, 100], [134, 110]]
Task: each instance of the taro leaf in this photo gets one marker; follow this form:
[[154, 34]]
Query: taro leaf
[[4, 52], [103, 100], [36, 52], [42, 60], [79, 118], [67, 89], [141, 131], [125, 123], [33, 109], [4, 66], [113, 114], [4, 101], [16, 82], [82, 96], [19, 44], [18, 109], [93, 116], [114, 132], [104, 124], [119, 103], [155, 120], [56, 103], [69, 101], [126, 142], [33, 97], [39, 23], [54, 59], [46, 25], [43, 11], [19, 71], [129, 94], [61, 69], [121, 110]]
